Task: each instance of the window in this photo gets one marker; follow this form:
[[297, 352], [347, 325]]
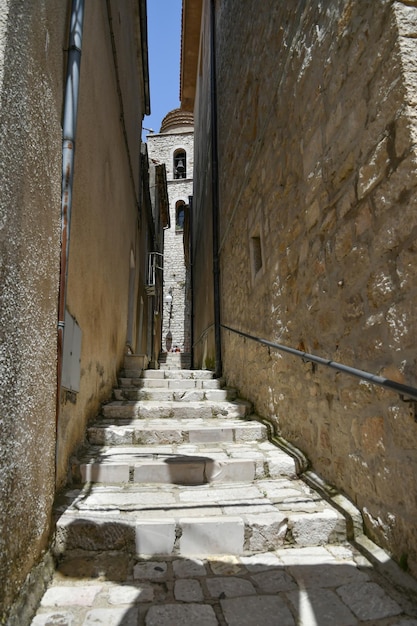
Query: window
[[256, 254], [180, 164], [255, 246], [179, 215]]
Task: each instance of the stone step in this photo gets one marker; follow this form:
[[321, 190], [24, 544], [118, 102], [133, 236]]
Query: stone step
[[175, 394], [175, 409], [171, 372], [176, 467], [179, 374], [182, 464], [175, 431], [176, 470], [175, 360], [224, 519], [171, 383]]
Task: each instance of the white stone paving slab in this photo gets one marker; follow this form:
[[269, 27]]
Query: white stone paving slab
[[57, 618], [144, 383], [70, 596], [311, 555], [221, 494], [128, 499], [194, 374], [256, 506], [171, 431], [184, 473], [155, 536], [210, 384], [129, 594], [153, 374], [181, 384], [104, 472], [193, 471], [172, 409], [207, 435], [212, 536], [234, 470], [282, 491], [218, 395], [260, 562], [111, 435], [112, 617]]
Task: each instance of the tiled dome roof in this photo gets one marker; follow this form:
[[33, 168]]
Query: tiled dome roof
[[178, 118]]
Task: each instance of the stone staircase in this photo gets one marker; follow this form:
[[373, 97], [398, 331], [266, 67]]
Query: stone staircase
[[182, 512], [177, 465], [175, 360]]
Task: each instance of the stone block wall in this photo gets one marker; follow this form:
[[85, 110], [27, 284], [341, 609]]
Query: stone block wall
[[163, 145], [318, 196], [176, 316]]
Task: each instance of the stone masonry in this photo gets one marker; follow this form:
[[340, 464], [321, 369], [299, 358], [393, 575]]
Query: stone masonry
[[317, 161], [176, 133]]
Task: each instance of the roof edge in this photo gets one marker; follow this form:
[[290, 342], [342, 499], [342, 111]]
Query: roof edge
[[190, 46]]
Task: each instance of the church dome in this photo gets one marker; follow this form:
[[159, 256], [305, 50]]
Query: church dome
[[177, 120]]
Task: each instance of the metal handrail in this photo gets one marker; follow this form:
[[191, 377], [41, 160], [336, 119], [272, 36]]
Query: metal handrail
[[406, 393]]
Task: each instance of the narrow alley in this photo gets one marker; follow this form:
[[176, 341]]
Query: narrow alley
[[208, 324]]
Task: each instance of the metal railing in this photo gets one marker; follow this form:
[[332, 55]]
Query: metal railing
[[406, 393]]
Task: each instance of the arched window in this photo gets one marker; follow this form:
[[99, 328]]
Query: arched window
[[179, 215], [180, 164]]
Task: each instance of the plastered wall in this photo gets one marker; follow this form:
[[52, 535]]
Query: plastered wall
[[31, 74], [109, 229], [109, 223]]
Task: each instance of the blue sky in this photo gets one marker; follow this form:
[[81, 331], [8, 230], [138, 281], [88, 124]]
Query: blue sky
[[164, 40]]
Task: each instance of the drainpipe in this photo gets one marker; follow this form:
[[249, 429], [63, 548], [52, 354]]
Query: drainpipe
[[191, 277], [215, 191], [68, 148]]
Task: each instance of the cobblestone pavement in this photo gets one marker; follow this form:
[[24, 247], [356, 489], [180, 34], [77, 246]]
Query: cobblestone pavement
[[324, 586]]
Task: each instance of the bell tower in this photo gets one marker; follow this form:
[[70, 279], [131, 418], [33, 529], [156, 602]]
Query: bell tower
[[174, 146]]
